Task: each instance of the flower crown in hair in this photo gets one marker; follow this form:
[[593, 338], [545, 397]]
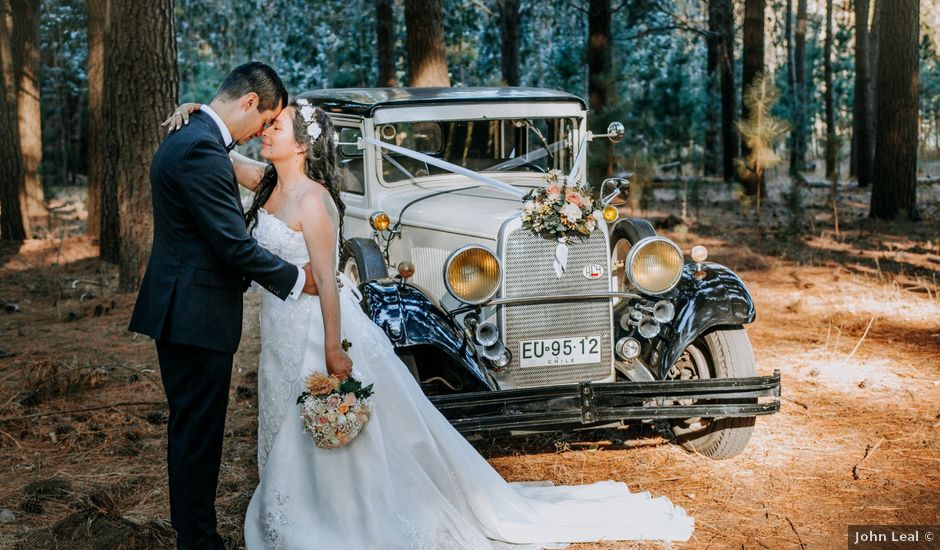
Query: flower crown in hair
[[307, 112]]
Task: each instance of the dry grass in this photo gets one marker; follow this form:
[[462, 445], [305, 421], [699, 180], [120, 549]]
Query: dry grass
[[852, 323]]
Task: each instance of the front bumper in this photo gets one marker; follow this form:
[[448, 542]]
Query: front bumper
[[588, 404]]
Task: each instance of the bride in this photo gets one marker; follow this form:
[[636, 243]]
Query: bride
[[409, 480]]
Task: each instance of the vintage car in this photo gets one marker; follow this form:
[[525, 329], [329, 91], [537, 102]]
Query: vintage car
[[499, 338]]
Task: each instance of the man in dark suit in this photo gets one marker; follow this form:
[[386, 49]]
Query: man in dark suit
[[190, 300]]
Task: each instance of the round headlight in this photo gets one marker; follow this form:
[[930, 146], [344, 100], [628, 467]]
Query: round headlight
[[654, 265], [472, 274]]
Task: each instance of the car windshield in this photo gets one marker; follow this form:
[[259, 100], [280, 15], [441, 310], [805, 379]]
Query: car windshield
[[533, 145]]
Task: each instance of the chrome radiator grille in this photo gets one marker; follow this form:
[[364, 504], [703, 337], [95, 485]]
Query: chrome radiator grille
[[527, 271]]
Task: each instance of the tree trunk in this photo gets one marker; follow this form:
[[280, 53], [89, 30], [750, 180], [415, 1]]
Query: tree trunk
[[861, 116], [598, 55], [141, 87], [12, 227], [791, 78], [109, 236], [385, 42], [753, 46], [873, 49], [798, 150], [729, 134], [598, 58], [712, 161], [96, 16], [25, 46], [427, 59], [894, 188], [509, 22], [831, 145]]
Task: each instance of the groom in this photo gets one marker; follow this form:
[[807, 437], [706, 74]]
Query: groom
[[190, 300]]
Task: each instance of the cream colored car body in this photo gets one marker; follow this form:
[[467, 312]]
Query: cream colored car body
[[435, 227]]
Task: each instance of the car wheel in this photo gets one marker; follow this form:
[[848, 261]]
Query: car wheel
[[362, 261], [724, 353]]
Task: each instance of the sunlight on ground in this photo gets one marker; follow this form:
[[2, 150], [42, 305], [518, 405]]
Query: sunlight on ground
[[36, 253]]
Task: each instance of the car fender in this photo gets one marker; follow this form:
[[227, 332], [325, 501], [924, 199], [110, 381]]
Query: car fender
[[409, 317], [702, 303]]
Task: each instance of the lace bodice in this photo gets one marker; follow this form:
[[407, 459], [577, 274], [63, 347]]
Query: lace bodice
[[276, 236]]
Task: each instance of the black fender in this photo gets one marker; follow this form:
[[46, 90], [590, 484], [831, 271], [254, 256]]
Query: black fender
[[720, 298], [411, 318], [368, 257]]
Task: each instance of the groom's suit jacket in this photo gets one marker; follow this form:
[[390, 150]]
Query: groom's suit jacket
[[192, 290]]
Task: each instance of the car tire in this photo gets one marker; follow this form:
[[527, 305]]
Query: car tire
[[362, 261], [727, 353]]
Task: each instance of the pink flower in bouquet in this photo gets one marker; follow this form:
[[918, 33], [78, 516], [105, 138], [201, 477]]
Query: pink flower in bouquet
[[350, 399], [322, 420], [574, 197], [333, 401], [553, 192]]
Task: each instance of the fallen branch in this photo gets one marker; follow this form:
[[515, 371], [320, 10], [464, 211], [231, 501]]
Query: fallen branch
[[139, 372], [798, 537], [18, 446], [795, 402], [86, 409], [868, 452], [859, 344]]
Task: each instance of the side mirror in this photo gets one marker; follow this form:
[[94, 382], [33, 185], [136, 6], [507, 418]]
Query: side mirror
[[615, 132], [614, 187]]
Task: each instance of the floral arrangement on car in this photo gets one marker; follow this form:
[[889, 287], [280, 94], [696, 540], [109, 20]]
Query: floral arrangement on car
[[560, 210], [334, 411]]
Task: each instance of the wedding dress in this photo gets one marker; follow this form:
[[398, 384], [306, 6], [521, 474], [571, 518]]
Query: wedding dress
[[409, 480]]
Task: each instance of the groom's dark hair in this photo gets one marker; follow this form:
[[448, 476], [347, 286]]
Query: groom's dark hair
[[258, 78]]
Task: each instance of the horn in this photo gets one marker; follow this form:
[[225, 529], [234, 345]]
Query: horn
[[487, 334]]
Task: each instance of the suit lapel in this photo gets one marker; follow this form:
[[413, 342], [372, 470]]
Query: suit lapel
[[213, 129]]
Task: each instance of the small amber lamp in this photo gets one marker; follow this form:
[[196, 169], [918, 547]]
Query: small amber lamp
[[379, 221], [610, 213]]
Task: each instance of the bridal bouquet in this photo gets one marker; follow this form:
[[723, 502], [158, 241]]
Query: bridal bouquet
[[334, 411], [559, 210]]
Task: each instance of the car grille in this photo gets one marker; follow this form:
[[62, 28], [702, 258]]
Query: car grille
[[527, 271]]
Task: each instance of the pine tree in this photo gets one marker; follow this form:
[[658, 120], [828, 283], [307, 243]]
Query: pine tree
[[894, 187]]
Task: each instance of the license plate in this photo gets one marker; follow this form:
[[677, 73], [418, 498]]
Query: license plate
[[560, 351]]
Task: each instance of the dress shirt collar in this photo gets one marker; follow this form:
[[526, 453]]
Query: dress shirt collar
[[226, 135]]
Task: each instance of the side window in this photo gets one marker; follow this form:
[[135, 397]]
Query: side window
[[349, 161]]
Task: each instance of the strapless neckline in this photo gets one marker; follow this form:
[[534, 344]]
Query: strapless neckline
[[284, 223]]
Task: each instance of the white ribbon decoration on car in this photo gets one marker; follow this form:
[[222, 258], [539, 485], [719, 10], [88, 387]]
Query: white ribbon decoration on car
[[444, 165], [561, 251], [582, 149], [560, 262]]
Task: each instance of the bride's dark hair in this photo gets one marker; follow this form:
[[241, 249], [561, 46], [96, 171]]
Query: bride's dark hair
[[319, 165]]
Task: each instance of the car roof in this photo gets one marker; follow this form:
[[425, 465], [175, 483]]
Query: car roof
[[365, 101]]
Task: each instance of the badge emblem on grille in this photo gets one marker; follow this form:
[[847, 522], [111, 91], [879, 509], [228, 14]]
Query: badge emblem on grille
[[592, 271]]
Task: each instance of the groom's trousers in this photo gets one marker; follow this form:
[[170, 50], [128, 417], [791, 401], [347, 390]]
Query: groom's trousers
[[196, 381]]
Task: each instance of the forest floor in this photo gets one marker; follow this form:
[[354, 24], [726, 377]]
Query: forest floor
[[852, 321]]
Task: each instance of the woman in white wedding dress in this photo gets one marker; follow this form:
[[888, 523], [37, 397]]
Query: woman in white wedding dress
[[409, 480]]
